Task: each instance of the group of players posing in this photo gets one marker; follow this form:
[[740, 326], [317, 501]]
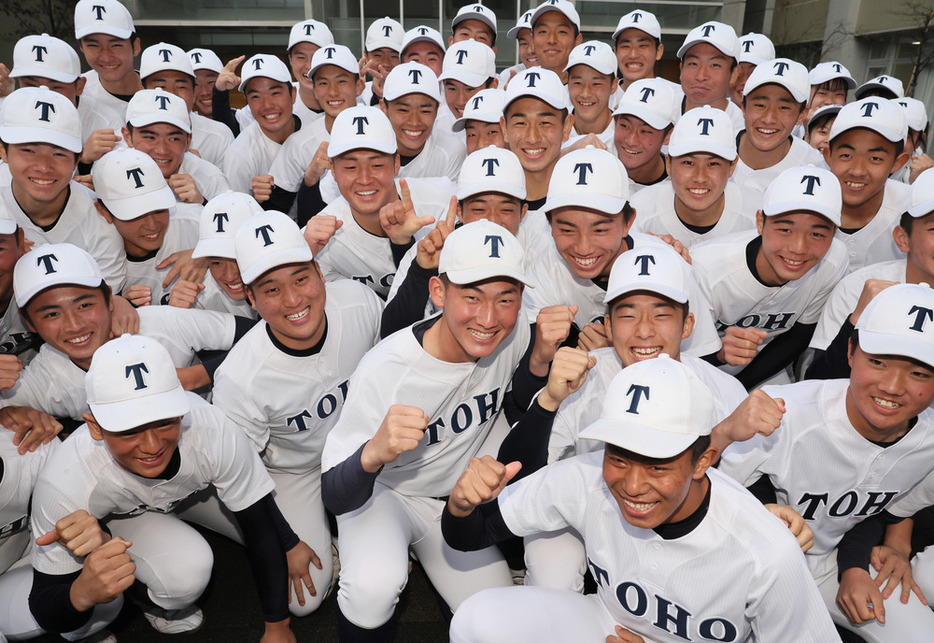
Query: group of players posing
[[582, 274]]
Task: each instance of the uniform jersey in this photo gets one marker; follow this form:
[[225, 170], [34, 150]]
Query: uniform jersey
[[655, 214], [555, 284], [213, 297], [287, 402], [94, 89], [305, 114], [756, 182], [738, 298], [829, 473], [251, 154], [181, 234], [289, 166], [873, 243], [462, 401], [354, 253], [81, 225], [96, 115], [208, 177], [210, 138], [443, 154], [583, 407], [83, 474], [607, 136], [54, 384], [738, 575], [15, 338], [845, 296]]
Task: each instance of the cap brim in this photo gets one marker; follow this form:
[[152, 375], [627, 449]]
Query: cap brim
[[483, 117], [680, 149], [513, 34], [796, 93], [336, 149], [347, 68], [150, 119], [482, 273], [393, 95], [243, 83], [881, 130], [272, 260], [7, 226], [548, 100], [886, 344], [865, 89], [226, 248], [922, 209], [697, 41], [44, 72], [14, 135], [379, 44], [638, 438], [132, 207], [665, 290], [102, 28], [23, 298], [652, 118], [500, 187], [473, 15], [795, 205], [601, 203], [119, 417], [470, 79]]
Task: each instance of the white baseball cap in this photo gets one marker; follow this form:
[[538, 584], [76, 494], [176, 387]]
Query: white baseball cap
[[561, 6], [595, 54], [485, 106], [823, 110], [641, 20], [313, 31], [785, 72], [39, 115], [717, 34], [8, 224], [221, 217], [482, 250], [264, 66], [898, 321], [337, 55], [54, 264], [540, 83], [887, 83], [205, 59], [45, 57], [132, 382], [589, 178], [475, 12], [268, 240], [470, 62], [651, 99], [756, 48], [652, 268], [131, 184], [921, 195], [524, 22], [164, 57], [103, 16], [411, 78], [384, 32], [703, 129], [422, 33], [361, 128], [880, 115], [823, 72], [915, 113], [150, 106], [638, 414], [492, 169], [810, 188]]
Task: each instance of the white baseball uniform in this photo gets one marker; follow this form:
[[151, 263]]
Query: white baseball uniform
[[443, 155], [737, 575], [181, 234], [79, 224], [295, 155], [96, 115], [873, 243], [208, 177], [211, 139], [94, 89], [213, 297], [607, 137], [15, 338], [835, 478], [655, 214], [756, 182], [920, 497], [251, 154]]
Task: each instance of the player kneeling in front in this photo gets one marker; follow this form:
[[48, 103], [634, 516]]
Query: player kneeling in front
[[146, 447], [679, 551]]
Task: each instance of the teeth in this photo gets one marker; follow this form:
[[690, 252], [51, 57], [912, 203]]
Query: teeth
[[78, 340], [535, 151], [335, 103], [630, 151], [236, 286], [43, 181], [791, 262], [366, 193], [854, 185], [271, 117], [698, 191], [413, 133], [299, 315], [766, 131], [647, 352], [479, 335], [886, 404], [638, 506], [585, 262]]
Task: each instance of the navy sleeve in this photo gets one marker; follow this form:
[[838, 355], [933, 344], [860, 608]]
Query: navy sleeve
[[408, 306], [525, 385], [483, 527], [309, 202], [833, 363], [779, 353], [347, 486], [527, 441], [267, 558], [222, 112], [280, 200], [50, 602]]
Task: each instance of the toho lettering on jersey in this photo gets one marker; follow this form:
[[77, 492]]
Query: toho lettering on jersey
[[853, 502], [771, 322], [383, 281], [477, 412], [325, 407]]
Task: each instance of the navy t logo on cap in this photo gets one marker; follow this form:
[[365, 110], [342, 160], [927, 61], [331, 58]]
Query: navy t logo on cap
[[163, 102], [136, 173], [258, 64], [476, 101], [100, 10], [166, 55], [490, 164], [309, 28], [582, 169], [837, 67], [495, 242], [196, 56], [922, 315], [423, 31], [635, 16], [645, 260], [646, 92], [705, 124], [387, 30], [747, 45], [780, 68], [478, 9], [264, 230], [638, 392], [532, 76], [221, 218], [359, 121], [588, 50], [415, 75], [46, 261], [707, 29], [460, 56], [137, 370], [44, 110], [811, 181], [868, 109], [330, 53], [40, 50]]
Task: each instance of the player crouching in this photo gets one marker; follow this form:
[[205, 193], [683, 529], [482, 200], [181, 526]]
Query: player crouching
[[679, 551]]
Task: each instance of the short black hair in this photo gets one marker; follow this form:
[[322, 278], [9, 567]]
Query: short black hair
[[685, 308], [821, 120], [833, 85]]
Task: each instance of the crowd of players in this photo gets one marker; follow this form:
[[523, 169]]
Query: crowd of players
[[568, 319]]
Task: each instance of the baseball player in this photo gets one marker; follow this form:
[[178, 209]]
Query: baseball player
[[556, 30], [480, 122], [468, 67], [637, 43], [591, 68], [41, 135], [883, 86], [107, 37], [285, 382], [917, 117], [819, 126], [223, 288], [657, 522], [133, 196], [207, 67], [766, 288], [709, 57], [347, 236], [830, 82], [700, 202], [474, 22], [832, 458], [381, 49], [142, 426], [873, 130], [424, 45], [305, 39], [774, 99], [396, 449], [644, 117], [522, 34], [18, 345], [169, 67], [754, 49]]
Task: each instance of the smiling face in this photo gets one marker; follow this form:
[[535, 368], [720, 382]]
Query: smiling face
[[651, 492], [885, 393], [174, 82], [71, 91], [291, 300], [41, 173], [385, 57], [501, 209], [919, 246], [204, 87], [477, 317], [818, 136], [73, 319], [554, 36], [863, 160], [165, 143], [638, 144], [457, 94], [336, 89], [476, 29], [481, 134], [109, 56], [642, 325], [590, 95], [226, 274], [300, 62], [699, 180], [270, 102], [534, 132], [412, 117], [636, 54], [145, 451], [143, 235], [527, 55], [426, 53], [366, 178], [792, 244], [588, 240], [771, 113], [705, 76]]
